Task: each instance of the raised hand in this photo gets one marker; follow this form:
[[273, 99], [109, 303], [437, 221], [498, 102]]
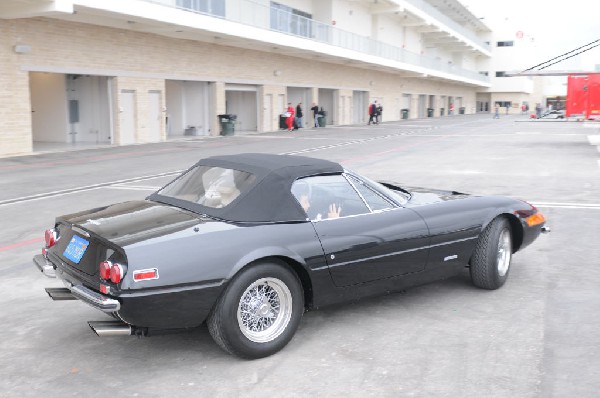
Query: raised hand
[[334, 211]]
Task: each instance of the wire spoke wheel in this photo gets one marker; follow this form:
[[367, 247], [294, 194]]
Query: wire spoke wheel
[[264, 310], [259, 311]]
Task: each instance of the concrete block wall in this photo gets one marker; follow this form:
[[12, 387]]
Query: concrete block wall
[[15, 104], [142, 62]]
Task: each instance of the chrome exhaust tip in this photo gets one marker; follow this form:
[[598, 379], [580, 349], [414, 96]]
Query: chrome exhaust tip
[[60, 293], [111, 328], [545, 229]]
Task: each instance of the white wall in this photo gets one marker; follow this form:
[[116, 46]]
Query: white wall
[[195, 111], [244, 105], [512, 84], [322, 11], [387, 29], [327, 102], [352, 16], [91, 92], [187, 106], [174, 102], [49, 107], [299, 94], [412, 40], [302, 5]]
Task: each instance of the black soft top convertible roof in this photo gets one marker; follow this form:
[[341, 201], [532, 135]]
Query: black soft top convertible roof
[[269, 198]]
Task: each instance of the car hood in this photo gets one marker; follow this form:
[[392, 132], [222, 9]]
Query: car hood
[[423, 196], [131, 222]]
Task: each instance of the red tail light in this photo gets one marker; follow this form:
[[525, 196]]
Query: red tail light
[[105, 269], [51, 237], [116, 273]]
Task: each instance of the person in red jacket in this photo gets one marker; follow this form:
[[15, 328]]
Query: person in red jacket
[[290, 117]]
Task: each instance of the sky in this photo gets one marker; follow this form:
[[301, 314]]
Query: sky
[[556, 26]]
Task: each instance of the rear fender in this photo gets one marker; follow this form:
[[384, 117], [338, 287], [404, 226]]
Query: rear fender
[[263, 253], [284, 257]]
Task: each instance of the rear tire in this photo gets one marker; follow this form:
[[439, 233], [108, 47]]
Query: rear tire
[[259, 311], [490, 263]]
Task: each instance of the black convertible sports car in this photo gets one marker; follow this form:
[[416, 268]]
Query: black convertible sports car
[[248, 242]]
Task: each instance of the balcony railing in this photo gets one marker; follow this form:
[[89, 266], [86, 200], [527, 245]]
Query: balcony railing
[[250, 12]]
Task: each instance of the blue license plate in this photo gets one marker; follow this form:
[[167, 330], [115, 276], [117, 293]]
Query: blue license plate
[[76, 249]]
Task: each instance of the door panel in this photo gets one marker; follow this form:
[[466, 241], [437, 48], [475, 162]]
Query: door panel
[[127, 117], [374, 246], [454, 227]]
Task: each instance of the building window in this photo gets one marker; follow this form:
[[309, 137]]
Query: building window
[[290, 20], [505, 43], [210, 7], [504, 104], [484, 72], [501, 73]]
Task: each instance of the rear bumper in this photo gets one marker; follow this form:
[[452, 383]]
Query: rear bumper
[[88, 296], [44, 266], [95, 299], [179, 306]]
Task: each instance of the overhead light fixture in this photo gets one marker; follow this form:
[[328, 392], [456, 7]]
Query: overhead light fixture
[[276, 72]]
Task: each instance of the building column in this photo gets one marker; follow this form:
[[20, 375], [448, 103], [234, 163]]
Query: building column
[[413, 112], [438, 104], [314, 96], [217, 106], [15, 102]]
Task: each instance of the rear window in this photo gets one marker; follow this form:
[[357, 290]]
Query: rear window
[[208, 186]]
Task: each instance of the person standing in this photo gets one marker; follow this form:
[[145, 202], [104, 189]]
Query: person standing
[[379, 113], [299, 115], [315, 111], [538, 110], [373, 112], [290, 117], [497, 111]]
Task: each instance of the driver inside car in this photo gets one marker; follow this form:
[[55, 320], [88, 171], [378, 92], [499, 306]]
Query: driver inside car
[[303, 193]]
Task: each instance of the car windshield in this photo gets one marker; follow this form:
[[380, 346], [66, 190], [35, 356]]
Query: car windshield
[[214, 187], [400, 196]]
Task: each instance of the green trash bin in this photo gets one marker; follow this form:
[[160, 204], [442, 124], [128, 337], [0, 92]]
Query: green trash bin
[[227, 124], [461, 110], [429, 112], [322, 120], [227, 128], [404, 113]]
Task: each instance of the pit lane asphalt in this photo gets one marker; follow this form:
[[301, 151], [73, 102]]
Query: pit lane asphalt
[[536, 336]]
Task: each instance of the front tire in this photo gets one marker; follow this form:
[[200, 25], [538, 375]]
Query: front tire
[[259, 311], [490, 263]]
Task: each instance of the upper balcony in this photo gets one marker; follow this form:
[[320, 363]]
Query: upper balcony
[[252, 24], [434, 18]]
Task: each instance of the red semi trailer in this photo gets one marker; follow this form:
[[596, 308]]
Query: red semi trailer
[[583, 96]]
